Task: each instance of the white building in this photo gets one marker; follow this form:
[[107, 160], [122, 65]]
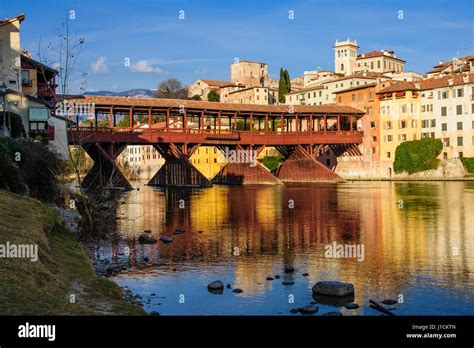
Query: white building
[[447, 111]]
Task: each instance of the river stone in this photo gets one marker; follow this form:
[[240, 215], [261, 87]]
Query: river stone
[[144, 239], [217, 285], [288, 283], [389, 302], [269, 278], [333, 288], [351, 305], [305, 274], [147, 231], [178, 231], [277, 277], [289, 269], [238, 291], [295, 310], [228, 286], [309, 309], [166, 239]]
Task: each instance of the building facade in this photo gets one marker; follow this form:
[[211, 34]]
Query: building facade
[[249, 74]]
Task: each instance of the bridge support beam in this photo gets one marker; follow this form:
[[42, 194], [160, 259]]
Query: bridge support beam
[[178, 170], [104, 172], [301, 166], [243, 168]]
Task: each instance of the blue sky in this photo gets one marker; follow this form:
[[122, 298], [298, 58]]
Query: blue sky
[[160, 45]]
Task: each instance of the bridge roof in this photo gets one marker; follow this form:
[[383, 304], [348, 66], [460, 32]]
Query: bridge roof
[[215, 106]]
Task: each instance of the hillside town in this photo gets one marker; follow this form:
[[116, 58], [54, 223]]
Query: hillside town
[[399, 105]]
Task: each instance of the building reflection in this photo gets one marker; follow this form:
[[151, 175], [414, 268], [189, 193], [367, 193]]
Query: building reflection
[[409, 231]]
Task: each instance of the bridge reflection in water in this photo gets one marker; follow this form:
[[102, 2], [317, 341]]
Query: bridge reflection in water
[[423, 251]]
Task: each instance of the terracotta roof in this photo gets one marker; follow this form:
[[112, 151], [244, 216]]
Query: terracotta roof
[[399, 86], [217, 106], [446, 81], [38, 64], [441, 66], [216, 83], [5, 21], [367, 75], [307, 89], [356, 88], [373, 54]]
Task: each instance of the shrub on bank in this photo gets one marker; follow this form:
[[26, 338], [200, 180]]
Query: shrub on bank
[[468, 163], [417, 155], [27, 166]]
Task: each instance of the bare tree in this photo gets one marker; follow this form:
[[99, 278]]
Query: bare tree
[[171, 89]]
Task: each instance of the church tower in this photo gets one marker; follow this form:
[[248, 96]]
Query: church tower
[[345, 55]]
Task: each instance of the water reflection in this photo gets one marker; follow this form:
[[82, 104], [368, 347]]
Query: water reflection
[[417, 237]]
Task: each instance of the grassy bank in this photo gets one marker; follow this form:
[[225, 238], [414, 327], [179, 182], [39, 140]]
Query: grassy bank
[[63, 268]]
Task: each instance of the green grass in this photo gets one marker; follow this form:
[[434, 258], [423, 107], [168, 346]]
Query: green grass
[[468, 163], [63, 267], [271, 162]]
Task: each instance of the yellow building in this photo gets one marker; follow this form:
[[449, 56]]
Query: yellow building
[[208, 160], [400, 119]]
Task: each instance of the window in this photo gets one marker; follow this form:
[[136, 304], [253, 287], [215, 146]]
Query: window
[[444, 127], [414, 124], [389, 137], [25, 78], [433, 123], [460, 92], [342, 67], [374, 151], [446, 142], [388, 154], [372, 65], [378, 64], [353, 97], [374, 139], [444, 111], [404, 108], [459, 125], [372, 124], [402, 124], [459, 141], [445, 155], [458, 109]]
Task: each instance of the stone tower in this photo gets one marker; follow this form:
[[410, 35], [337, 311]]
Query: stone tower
[[345, 55]]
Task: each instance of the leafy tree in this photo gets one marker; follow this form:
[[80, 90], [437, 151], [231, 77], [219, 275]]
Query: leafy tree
[[417, 155], [171, 89], [196, 97], [213, 96]]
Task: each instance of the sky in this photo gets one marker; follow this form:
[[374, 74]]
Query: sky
[[138, 43]]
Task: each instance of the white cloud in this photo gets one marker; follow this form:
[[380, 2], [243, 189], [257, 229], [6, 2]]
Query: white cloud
[[100, 66], [144, 66]]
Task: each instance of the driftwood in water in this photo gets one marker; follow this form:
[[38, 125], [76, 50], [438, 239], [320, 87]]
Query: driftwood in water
[[380, 308]]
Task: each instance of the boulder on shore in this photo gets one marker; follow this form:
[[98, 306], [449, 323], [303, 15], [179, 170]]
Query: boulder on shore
[[333, 288]]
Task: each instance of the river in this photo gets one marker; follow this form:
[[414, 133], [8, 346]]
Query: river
[[417, 240]]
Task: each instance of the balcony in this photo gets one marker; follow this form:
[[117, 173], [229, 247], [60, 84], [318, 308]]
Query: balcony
[[46, 90]]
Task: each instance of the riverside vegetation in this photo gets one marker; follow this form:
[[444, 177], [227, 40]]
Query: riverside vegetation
[[63, 280]]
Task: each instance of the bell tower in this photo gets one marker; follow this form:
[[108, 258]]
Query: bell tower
[[345, 55]]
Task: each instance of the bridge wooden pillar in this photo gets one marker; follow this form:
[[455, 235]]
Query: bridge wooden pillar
[[251, 121], [178, 170], [104, 172], [131, 118], [299, 165], [167, 118], [243, 168], [149, 118], [111, 117]]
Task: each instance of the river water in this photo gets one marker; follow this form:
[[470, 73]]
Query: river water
[[417, 240]]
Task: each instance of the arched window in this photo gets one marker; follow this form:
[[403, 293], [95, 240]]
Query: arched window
[[342, 67]]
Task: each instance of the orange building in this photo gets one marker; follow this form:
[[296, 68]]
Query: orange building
[[364, 98]]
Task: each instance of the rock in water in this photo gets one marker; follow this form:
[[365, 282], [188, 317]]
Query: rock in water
[[147, 231], [238, 291], [288, 282], [289, 269], [144, 239], [178, 231], [333, 288], [309, 309], [351, 305], [166, 239], [389, 302], [269, 278], [217, 285], [228, 286]]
